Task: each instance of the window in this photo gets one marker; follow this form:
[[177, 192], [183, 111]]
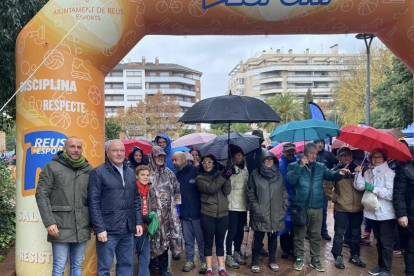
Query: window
[[153, 74], [112, 109], [178, 74], [117, 85], [240, 92], [240, 81], [153, 85], [116, 74], [134, 85], [164, 85], [197, 88], [164, 74], [134, 97], [108, 86], [133, 73], [116, 98]]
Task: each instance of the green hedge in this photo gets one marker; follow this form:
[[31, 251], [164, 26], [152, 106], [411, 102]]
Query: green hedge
[[7, 207]]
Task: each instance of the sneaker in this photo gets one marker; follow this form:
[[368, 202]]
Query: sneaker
[[176, 257], [356, 261], [188, 266], [246, 228], [397, 254], [375, 271], [316, 264], [326, 237], [209, 273], [384, 273], [264, 252], [274, 267], [298, 265], [339, 263], [230, 262], [365, 241], [203, 268], [255, 269], [238, 258], [222, 272], [345, 244], [366, 235]]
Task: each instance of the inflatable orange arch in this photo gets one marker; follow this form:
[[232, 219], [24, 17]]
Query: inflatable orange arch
[[66, 50]]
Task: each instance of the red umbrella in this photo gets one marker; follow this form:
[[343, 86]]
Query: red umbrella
[[368, 138], [279, 148], [131, 143]]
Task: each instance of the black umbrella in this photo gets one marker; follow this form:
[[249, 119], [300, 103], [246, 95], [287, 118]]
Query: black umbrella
[[230, 109]]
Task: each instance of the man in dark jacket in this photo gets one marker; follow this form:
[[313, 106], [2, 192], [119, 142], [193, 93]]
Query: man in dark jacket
[[190, 211], [254, 158], [115, 209], [328, 159], [306, 177], [61, 197], [403, 199], [164, 141]]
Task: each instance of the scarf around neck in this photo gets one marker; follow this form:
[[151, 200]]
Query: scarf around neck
[[268, 172], [74, 163]]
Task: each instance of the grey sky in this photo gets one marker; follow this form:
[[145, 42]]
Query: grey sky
[[216, 56]]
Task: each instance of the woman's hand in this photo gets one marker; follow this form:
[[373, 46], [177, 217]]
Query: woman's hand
[[358, 169]]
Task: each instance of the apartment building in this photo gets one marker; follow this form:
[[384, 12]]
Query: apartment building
[[269, 73], [128, 83]]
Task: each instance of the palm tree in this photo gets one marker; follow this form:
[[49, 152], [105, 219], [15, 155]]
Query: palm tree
[[288, 108]]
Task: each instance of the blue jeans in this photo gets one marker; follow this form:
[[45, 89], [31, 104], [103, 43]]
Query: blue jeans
[[122, 246], [191, 232], [61, 252], [142, 245]]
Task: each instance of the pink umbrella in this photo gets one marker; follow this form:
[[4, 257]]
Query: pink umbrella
[[279, 148], [193, 139]]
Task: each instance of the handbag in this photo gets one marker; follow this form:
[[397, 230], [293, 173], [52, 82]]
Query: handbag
[[299, 214], [370, 201]]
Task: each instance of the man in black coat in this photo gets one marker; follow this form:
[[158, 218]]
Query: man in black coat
[[328, 159], [115, 211], [403, 199]]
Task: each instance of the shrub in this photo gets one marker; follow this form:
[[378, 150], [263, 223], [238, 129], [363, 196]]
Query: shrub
[[7, 207]]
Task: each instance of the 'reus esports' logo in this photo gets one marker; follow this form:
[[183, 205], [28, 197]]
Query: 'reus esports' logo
[[38, 149], [211, 3]]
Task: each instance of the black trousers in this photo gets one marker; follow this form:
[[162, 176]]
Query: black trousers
[[286, 242], [409, 253], [258, 245], [214, 229], [384, 234], [163, 262], [343, 220], [237, 220]]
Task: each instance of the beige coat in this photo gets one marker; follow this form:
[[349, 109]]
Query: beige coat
[[238, 195]]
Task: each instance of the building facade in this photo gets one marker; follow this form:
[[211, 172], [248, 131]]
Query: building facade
[[128, 83], [269, 73]]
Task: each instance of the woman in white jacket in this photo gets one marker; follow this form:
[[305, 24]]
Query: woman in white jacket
[[237, 208], [379, 179]]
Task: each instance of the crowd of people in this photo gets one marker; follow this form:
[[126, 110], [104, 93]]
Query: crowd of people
[[199, 200]]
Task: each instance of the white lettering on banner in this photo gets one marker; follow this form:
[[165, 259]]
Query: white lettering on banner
[[43, 84], [68, 106], [49, 142], [35, 257], [28, 216]]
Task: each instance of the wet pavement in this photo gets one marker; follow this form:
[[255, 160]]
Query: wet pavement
[[368, 255]]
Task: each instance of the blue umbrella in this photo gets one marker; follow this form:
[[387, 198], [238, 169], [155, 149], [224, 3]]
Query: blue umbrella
[[182, 148], [307, 130], [218, 146]]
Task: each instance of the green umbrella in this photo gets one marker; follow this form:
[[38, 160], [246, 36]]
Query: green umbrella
[[153, 226]]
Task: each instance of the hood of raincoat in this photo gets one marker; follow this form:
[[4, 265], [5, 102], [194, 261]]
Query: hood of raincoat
[[156, 151], [166, 137]]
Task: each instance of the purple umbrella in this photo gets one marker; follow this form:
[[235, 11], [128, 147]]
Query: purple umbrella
[[193, 139]]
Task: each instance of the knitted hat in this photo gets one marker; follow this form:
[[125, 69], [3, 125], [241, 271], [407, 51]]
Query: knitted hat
[[234, 149]]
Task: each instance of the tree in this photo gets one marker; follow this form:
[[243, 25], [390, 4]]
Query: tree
[[112, 128], [394, 97], [288, 108], [15, 14], [350, 91], [223, 128], [305, 105], [186, 131], [154, 115]]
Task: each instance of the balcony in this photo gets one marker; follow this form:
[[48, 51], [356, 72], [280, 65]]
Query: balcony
[[271, 79], [172, 79], [171, 91], [303, 90], [312, 78], [115, 91], [185, 104], [271, 89]]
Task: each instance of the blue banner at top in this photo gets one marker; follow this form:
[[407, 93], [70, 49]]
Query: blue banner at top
[[316, 112]]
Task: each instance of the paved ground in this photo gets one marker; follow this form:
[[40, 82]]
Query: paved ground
[[368, 255]]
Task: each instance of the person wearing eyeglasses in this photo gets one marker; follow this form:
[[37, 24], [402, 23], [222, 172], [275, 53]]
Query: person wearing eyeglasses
[[379, 179], [214, 186], [168, 195], [115, 211], [237, 208], [268, 202]]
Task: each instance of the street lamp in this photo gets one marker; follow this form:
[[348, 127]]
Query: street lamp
[[368, 40]]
